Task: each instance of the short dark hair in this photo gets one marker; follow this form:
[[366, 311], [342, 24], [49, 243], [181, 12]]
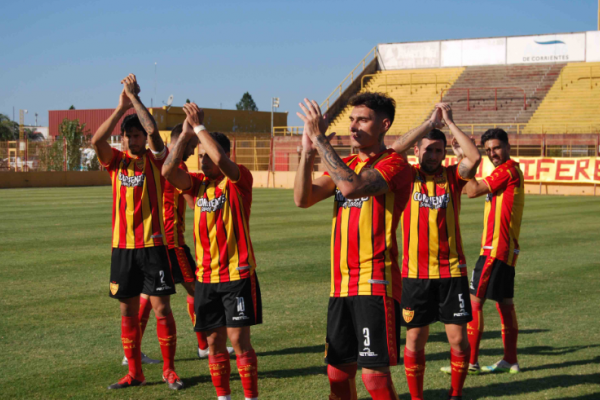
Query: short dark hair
[[132, 121], [175, 132], [223, 140], [434, 134], [495, 133], [378, 102]]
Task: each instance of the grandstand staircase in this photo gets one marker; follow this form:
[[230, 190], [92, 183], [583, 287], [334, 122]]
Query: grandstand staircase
[[500, 96]]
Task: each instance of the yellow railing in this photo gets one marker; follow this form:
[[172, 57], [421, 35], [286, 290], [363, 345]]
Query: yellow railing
[[287, 130], [578, 72], [350, 78], [411, 80]]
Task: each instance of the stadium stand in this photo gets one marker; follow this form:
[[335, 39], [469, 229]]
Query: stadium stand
[[571, 105], [415, 92]]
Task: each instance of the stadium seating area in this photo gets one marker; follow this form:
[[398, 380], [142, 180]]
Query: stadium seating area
[[573, 103], [540, 98]]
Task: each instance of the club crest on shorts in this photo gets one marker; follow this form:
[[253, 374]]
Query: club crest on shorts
[[408, 315], [114, 288]]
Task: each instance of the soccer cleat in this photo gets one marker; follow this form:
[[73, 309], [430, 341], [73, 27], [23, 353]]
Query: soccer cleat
[[474, 369], [173, 381], [204, 353], [502, 367], [145, 360], [127, 381]]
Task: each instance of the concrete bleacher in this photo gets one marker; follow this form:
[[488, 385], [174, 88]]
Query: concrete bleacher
[[503, 96], [415, 92], [572, 105]]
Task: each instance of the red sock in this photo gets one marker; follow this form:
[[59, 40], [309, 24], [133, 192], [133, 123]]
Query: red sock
[[144, 314], [131, 336], [220, 369], [167, 337], [380, 386], [510, 331], [475, 330], [248, 370], [459, 361], [202, 343], [414, 365], [342, 382]]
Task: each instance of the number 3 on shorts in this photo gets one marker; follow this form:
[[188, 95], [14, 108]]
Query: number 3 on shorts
[[366, 335]]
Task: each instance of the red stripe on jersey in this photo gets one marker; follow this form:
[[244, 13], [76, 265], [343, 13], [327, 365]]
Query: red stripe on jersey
[[138, 214], [423, 258], [444, 247], [379, 245], [406, 235], [240, 237], [353, 252], [337, 273], [115, 196], [222, 245], [156, 212], [205, 241], [491, 222], [123, 216]]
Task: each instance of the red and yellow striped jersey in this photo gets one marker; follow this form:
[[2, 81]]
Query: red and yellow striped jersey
[[503, 213], [174, 212], [221, 227], [430, 226], [137, 200], [364, 251]]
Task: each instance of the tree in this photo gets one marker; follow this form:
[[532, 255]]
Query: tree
[[9, 130], [72, 107], [188, 101], [246, 103], [74, 134]]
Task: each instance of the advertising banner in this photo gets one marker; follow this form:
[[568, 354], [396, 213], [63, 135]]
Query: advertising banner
[[545, 48], [543, 169], [409, 55], [592, 52], [470, 52]]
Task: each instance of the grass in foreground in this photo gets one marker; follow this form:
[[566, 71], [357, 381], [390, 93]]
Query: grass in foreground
[[59, 333]]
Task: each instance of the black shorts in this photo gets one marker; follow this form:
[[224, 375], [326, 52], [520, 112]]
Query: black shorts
[[136, 271], [425, 301], [231, 304], [493, 279], [363, 329], [183, 265]]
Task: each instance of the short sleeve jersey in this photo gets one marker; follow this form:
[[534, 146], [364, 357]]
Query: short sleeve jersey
[[174, 212], [364, 250], [221, 227], [503, 213], [432, 245], [137, 185]]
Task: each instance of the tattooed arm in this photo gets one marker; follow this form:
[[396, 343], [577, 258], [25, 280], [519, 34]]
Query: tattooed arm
[[471, 157], [368, 183], [170, 169], [132, 89], [408, 140]]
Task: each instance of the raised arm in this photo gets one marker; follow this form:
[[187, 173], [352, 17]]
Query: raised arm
[[195, 117], [306, 191], [468, 165], [132, 89], [408, 140], [170, 169], [474, 187], [100, 138], [368, 183]]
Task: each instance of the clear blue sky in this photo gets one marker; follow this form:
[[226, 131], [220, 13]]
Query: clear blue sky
[[58, 53]]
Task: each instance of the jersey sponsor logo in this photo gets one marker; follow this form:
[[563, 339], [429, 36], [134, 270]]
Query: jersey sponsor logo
[[132, 181], [211, 205], [434, 202], [114, 288], [366, 352], [408, 314], [348, 203]]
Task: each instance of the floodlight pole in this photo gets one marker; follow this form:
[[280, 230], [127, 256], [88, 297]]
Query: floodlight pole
[[275, 104]]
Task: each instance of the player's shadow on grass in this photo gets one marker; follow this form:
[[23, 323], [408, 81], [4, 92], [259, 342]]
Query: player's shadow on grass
[[294, 350], [442, 338]]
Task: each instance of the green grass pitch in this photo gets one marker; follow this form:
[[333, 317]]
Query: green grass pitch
[[59, 330]]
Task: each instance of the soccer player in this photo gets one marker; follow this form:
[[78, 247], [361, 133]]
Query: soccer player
[[183, 265], [434, 270], [140, 262], [227, 293], [494, 274], [370, 190]]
